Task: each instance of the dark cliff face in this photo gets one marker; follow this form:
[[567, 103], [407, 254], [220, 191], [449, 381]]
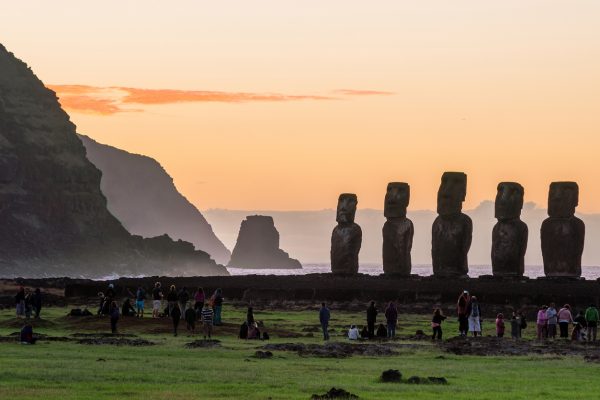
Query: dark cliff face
[[53, 215], [258, 246], [142, 195]]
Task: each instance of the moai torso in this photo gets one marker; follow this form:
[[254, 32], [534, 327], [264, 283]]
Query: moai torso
[[398, 231], [346, 237], [452, 231], [510, 234], [562, 234]]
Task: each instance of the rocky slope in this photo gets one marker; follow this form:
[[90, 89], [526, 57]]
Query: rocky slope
[[53, 215], [142, 195], [258, 246]]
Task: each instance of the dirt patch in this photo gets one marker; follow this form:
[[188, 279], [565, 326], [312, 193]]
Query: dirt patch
[[391, 375], [115, 341], [18, 323], [492, 346], [334, 393], [419, 380], [203, 344], [102, 335], [263, 354], [336, 349]]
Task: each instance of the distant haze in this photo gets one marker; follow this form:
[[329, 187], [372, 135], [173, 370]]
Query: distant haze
[[306, 234]]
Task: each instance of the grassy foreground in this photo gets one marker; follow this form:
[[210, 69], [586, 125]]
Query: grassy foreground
[[169, 370]]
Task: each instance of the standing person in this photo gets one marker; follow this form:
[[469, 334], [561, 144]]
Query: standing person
[[114, 316], [542, 323], [515, 326], [20, 302], [436, 324], [500, 327], [324, 316], [28, 304], [37, 302], [190, 319], [183, 297], [474, 313], [250, 316], [391, 317], [172, 299], [217, 300], [523, 323], [552, 317], [199, 299], [564, 319], [140, 296], [157, 296], [371, 319], [461, 309], [591, 320], [175, 313], [207, 320]]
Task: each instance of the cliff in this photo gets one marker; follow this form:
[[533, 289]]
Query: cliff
[[142, 195], [53, 215], [258, 246]]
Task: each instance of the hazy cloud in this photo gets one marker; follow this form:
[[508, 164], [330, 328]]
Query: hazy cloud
[[115, 99]]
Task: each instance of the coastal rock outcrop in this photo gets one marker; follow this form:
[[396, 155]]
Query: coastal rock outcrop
[[142, 195], [258, 246], [53, 215]]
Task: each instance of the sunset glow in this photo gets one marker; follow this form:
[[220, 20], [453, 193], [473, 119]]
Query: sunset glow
[[284, 107]]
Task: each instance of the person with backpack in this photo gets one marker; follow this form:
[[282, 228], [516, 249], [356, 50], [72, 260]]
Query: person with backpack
[[324, 316], [371, 319], [591, 320], [140, 297]]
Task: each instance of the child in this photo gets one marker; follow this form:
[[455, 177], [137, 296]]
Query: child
[[353, 333], [436, 324], [207, 320], [500, 325], [114, 317]]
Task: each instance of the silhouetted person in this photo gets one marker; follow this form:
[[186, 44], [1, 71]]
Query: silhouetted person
[[37, 302], [250, 316], [127, 309], [114, 316], [324, 316], [175, 313]]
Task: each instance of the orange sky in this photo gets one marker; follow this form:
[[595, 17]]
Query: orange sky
[[283, 105]]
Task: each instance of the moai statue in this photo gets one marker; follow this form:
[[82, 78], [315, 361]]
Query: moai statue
[[509, 237], [397, 231], [452, 231], [346, 237], [563, 233]]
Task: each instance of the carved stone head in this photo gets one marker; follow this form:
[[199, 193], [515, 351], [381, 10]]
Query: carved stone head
[[452, 193], [509, 200], [562, 199], [346, 208], [397, 198]]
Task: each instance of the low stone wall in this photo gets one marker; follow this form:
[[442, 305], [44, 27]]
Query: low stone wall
[[326, 287]]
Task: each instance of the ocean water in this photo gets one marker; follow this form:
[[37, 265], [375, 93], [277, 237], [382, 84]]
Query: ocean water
[[532, 271]]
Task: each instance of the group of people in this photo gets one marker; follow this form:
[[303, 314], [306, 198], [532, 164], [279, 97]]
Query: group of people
[[179, 305], [368, 332], [28, 303], [585, 324]]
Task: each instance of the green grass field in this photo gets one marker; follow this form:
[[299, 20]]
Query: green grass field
[[169, 370]]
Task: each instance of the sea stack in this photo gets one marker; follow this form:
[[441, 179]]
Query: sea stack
[[346, 237], [257, 246], [452, 231], [563, 234], [53, 215]]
